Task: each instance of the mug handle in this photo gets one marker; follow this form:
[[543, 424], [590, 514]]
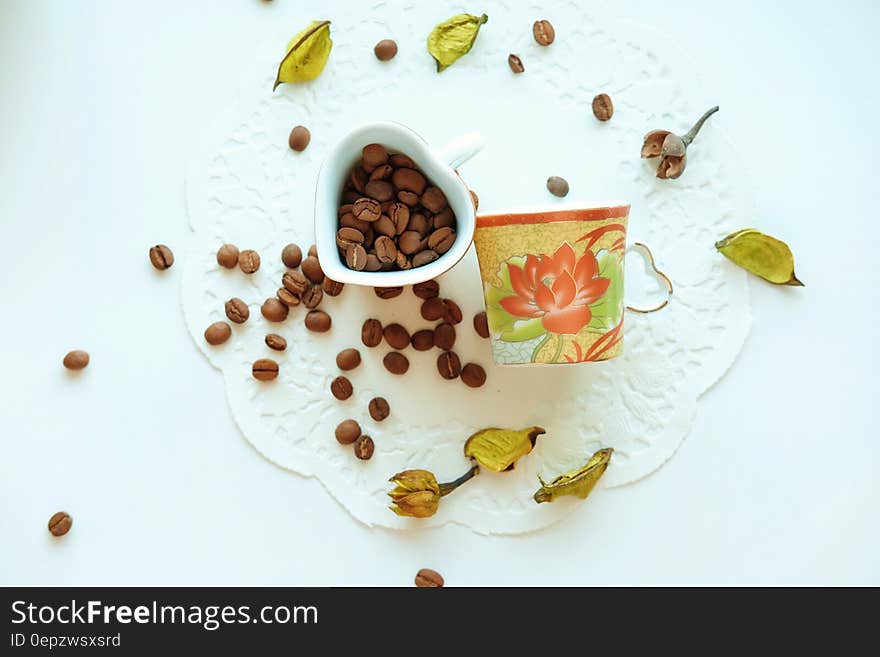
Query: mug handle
[[461, 149], [649, 258]]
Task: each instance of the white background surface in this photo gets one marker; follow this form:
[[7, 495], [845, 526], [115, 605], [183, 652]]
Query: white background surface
[[100, 104]]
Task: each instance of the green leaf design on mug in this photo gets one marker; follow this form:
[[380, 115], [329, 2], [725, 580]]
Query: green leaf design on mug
[[510, 328], [608, 309]]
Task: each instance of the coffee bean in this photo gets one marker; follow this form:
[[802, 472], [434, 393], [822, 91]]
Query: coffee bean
[[373, 263], [366, 209], [299, 138], [410, 242], [395, 362], [313, 296], [441, 240], [409, 180], [433, 309], [312, 269], [356, 257], [344, 210], [249, 261], [385, 249], [385, 50], [374, 155], [448, 364], [422, 340], [348, 359], [291, 256], [265, 369], [347, 432], [387, 292], [227, 256], [350, 195], [515, 63], [358, 179], [399, 160], [276, 342], [318, 321], [399, 215], [382, 172], [424, 257], [557, 186], [237, 310], [473, 375], [379, 409], [543, 32], [76, 359], [603, 108], [444, 219], [363, 448], [349, 221], [332, 288], [451, 312], [295, 282], [371, 333], [381, 190], [60, 523], [161, 257], [444, 336], [217, 333], [313, 250], [345, 237], [402, 262], [396, 336], [384, 226], [287, 297], [434, 199], [409, 199], [426, 289], [427, 578], [475, 199], [341, 388], [273, 310], [481, 324]]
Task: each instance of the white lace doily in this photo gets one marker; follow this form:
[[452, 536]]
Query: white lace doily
[[247, 187]]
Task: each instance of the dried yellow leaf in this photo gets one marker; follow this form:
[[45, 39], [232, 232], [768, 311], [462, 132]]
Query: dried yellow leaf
[[499, 449], [761, 254], [307, 54], [454, 38], [578, 482]]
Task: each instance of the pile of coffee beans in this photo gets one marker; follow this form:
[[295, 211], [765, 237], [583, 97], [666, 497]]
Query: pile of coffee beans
[[391, 216]]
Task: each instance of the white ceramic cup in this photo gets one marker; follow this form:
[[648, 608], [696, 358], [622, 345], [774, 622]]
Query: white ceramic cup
[[437, 165]]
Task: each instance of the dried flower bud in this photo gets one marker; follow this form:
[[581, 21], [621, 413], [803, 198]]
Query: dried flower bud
[[417, 494], [672, 148]]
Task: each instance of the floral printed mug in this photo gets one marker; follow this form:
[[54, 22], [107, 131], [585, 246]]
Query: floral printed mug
[[553, 282]]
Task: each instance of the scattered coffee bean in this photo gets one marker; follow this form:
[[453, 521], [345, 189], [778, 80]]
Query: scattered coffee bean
[[312, 269], [557, 186], [265, 369], [379, 409], [347, 432], [217, 333], [371, 333], [287, 297], [318, 321], [426, 289], [385, 50], [515, 63], [299, 138], [475, 199], [603, 108], [76, 359], [395, 362], [363, 448], [543, 32], [427, 578], [295, 282], [249, 261], [481, 324], [60, 523], [451, 312], [276, 342], [313, 296], [387, 292], [422, 340], [374, 155], [332, 288], [341, 388], [473, 375], [161, 257], [448, 364], [291, 256], [274, 310], [433, 309], [227, 256], [348, 359], [444, 336], [237, 310], [396, 336]]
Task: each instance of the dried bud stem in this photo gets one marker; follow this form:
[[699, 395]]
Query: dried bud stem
[[688, 137], [450, 486]]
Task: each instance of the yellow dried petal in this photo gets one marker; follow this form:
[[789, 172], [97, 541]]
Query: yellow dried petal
[[454, 38], [307, 54], [498, 449], [578, 482], [761, 254]]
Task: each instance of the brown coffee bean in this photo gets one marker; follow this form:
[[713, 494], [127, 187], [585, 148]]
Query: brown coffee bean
[[347, 432], [382, 172], [345, 237], [227, 256], [350, 195], [369, 238], [448, 364], [473, 375], [276, 342], [557, 186], [356, 257], [399, 215], [363, 448], [379, 409], [294, 282], [403, 261], [409, 180], [366, 209], [444, 219], [273, 310], [426, 289], [299, 138], [396, 336], [481, 324], [217, 333], [399, 160], [313, 250], [264, 369], [424, 257], [451, 312], [312, 269], [475, 199], [515, 63], [291, 256], [384, 226], [387, 292], [341, 388], [249, 261], [371, 333], [427, 578], [237, 310], [433, 309], [385, 249], [603, 108], [344, 210], [374, 155], [348, 220], [381, 190], [161, 257], [395, 362], [410, 242], [434, 199], [60, 523], [348, 359], [373, 263], [287, 297], [313, 296], [543, 32], [444, 336], [318, 321], [332, 288], [358, 179], [422, 340], [409, 199], [76, 359], [385, 50], [441, 240]]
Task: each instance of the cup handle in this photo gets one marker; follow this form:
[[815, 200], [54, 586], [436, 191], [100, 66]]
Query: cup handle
[[649, 258], [461, 149]]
